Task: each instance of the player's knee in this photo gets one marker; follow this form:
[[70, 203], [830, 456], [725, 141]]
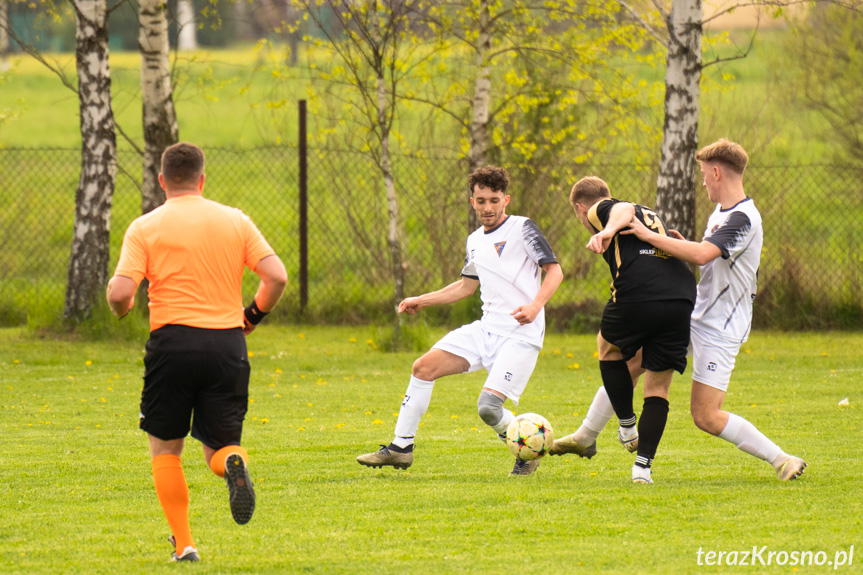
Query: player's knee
[[490, 408], [422, 369], [706, 420]]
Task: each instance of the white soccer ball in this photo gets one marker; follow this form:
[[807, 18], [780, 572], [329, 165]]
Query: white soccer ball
[[529, 436]]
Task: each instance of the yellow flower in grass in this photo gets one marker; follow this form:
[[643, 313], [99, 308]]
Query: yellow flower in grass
[[264, 420], [377, 422], [353, 340], [88, 362]]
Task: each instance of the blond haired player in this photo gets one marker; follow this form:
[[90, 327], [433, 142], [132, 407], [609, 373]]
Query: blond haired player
[[193, 252], [729, 256]]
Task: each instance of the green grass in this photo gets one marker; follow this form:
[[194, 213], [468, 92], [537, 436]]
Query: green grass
[[77, 495]]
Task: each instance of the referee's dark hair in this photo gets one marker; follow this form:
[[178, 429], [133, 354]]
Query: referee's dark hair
[[587, 191], [489, 177], [182, 163]]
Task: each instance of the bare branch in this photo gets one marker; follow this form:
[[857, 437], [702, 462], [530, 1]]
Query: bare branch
[[32, 52], [644, 23], [127, 138]]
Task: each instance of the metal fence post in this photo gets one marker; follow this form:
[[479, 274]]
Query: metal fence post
[[303, 212]]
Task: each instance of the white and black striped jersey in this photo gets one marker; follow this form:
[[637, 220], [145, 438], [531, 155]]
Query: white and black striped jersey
[[507, 262], [728, 284]]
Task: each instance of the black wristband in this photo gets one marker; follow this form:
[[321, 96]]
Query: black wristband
[[253, 314]]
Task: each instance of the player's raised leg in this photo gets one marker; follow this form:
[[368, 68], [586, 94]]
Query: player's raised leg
[[707, 412], [232, 463], [399, 453]]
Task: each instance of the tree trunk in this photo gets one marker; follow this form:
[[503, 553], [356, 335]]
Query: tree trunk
[[160, 120], [675, 193], [88, 264], [245, 30], [188, 36], [480, 105], [4, 36], [393, 235]]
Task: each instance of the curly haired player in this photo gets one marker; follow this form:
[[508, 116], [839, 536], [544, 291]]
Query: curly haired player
[[505, 259]]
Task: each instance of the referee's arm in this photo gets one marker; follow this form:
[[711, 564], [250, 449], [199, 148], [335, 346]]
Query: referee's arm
[[121, 295], [274, 279]]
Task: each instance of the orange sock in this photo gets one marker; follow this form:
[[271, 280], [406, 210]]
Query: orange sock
[[217, 462], [173, 494]]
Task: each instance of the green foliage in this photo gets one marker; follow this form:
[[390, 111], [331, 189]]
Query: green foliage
[[824, 54], [83, 499]]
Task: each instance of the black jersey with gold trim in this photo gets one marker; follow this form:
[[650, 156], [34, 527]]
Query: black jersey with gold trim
[[640, 272]]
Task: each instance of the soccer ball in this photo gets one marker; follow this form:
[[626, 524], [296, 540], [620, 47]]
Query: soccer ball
[[529, 436]]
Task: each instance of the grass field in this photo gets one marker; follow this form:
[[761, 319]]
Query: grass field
[[76, 492]]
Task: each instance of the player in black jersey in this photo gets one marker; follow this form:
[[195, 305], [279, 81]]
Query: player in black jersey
[[652, 295]]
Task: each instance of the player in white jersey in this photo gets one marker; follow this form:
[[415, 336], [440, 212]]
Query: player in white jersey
[[505, 258], [729, 256]]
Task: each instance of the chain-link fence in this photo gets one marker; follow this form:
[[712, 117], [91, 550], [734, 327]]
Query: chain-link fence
[[810, 273]]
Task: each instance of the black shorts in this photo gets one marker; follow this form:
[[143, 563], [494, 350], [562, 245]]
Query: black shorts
[[193, 370], [659, 328]]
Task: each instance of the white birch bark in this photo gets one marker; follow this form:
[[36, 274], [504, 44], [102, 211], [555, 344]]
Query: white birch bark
[[159, 116], [675, 193], [481, 102], [88, 263], [188, 36], [393, 235], [4, 36]]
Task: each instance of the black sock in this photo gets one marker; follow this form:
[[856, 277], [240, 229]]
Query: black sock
[[397, 449], [618, 385], [651, 425]]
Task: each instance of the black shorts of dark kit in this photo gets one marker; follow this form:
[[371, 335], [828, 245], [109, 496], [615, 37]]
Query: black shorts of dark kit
[[190, 370], [659, 328]]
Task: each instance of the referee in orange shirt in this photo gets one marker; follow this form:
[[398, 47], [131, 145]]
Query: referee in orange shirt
[[193, 251]]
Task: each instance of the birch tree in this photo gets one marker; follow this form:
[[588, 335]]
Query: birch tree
[[88, 263], [187, 38], [680, 30], [4, 36], [675, 192], [159, 117]]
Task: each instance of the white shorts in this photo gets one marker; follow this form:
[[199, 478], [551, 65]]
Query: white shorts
[[509, 361], [712, 358]]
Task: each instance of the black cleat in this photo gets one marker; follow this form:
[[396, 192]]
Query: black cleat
[[242, 492]]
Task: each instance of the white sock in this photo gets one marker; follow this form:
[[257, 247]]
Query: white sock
[[500, 426], [414, 406], [598, 415], [747, 438]]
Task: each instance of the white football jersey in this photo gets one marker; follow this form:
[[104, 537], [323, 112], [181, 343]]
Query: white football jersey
[[507, 262], [728, 283]]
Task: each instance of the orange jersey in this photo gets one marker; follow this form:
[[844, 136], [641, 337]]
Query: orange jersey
[[192, 250]]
